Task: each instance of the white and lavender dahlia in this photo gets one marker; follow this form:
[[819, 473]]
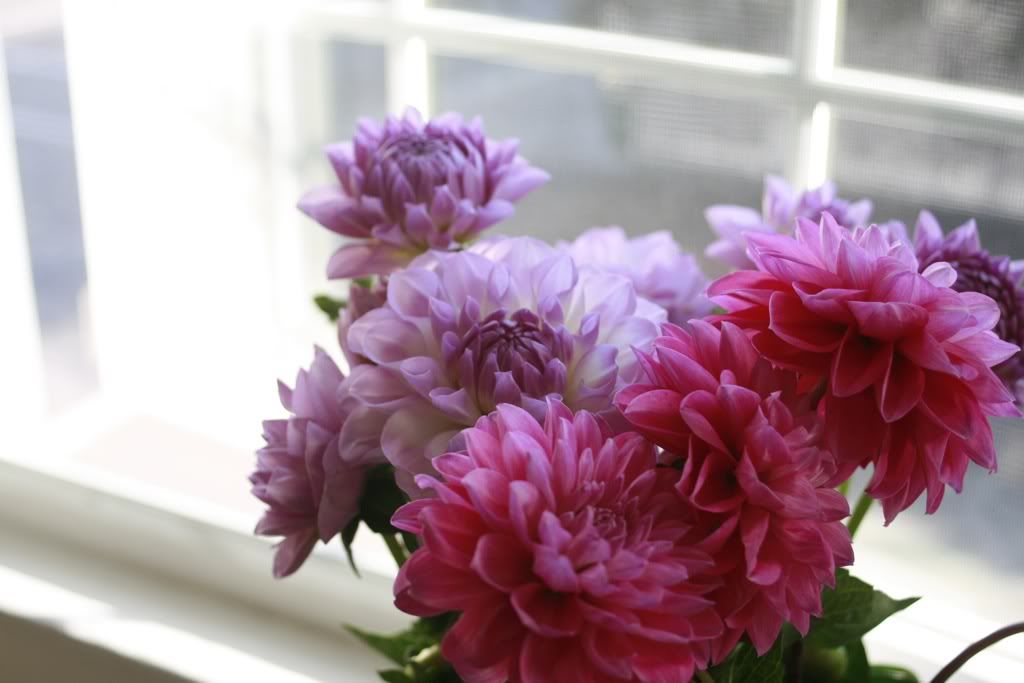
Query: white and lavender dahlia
[[781, 205], [508, 321], [405, 187], [660, 270]]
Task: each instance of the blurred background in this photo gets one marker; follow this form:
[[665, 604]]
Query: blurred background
[[157, 278]]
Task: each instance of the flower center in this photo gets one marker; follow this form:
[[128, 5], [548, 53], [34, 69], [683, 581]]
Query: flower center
[[424, 159], [514, 340], [504, 358]]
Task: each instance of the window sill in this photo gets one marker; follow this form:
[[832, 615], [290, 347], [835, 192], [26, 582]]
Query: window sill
[[117, 576]]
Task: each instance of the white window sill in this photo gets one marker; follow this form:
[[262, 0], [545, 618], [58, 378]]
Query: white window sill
[[184, 591]]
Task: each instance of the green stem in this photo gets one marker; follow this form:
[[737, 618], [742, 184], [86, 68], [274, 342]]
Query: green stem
[[395, 546], [704, 677], [844, 488], [861, 509]]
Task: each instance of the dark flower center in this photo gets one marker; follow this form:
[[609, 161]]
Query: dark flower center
[[517, 337], [423, 158]]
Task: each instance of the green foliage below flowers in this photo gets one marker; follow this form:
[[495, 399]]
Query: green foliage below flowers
[[415, 650]]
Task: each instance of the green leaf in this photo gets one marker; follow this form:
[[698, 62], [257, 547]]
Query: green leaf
[[348, 534], [393, 647], [850, 610], [394, 676], [329, 305], [743, 665], [892, 674], [380, 498], [857, 669]]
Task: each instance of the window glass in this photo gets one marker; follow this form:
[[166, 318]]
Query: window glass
[[628, 153], [979, 43]]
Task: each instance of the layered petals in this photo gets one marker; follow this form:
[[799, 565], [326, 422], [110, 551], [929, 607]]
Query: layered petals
[[753, 473], [781, 206], [310, 485], [407, 186], [660, 270], [566, 553], [905, 362], [506, 321]]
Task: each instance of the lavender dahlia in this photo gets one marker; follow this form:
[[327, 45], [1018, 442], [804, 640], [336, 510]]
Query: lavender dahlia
[[509, 321], [660, 270], [310, 474], [781, 206], [406, 186]]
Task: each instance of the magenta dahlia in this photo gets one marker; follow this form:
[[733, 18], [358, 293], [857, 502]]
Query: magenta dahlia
[[660, 270], [562, 550], [508, 321], [906, 359], [406, 186], [781, 206], [753, 471], [310, 484]]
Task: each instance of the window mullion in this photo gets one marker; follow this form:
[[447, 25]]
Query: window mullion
[[21, 363], [408, 64], [817, 24]]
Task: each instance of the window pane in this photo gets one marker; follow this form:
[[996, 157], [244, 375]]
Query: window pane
[[762, 26], [974, 43], [620, 153], [965, 169], [37, 81]]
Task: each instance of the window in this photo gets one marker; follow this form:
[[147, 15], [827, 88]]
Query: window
[[161, 275]]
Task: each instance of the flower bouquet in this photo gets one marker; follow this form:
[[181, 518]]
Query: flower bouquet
[[592, 465]]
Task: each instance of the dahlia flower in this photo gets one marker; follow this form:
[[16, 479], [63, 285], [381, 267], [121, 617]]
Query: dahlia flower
[[509, 321], [562, 550], [781, 205], [905, 358], [661, 272], [979, 271], [361, 300], [753, 473], [406, 186], [310, 485]]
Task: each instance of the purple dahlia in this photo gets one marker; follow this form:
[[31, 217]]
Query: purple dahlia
[[406, 187], [509, 321], [311, 471], [979, 271], [781, 205], [660, 270]]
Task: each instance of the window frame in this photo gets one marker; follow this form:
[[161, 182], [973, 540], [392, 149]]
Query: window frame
[[204, 547]]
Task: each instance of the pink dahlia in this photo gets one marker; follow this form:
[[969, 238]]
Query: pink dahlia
[[781, 206], [406, 186], [312, 486], [562, 551], [509, 321], [906, 359], [660, 270], [753, 472]]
